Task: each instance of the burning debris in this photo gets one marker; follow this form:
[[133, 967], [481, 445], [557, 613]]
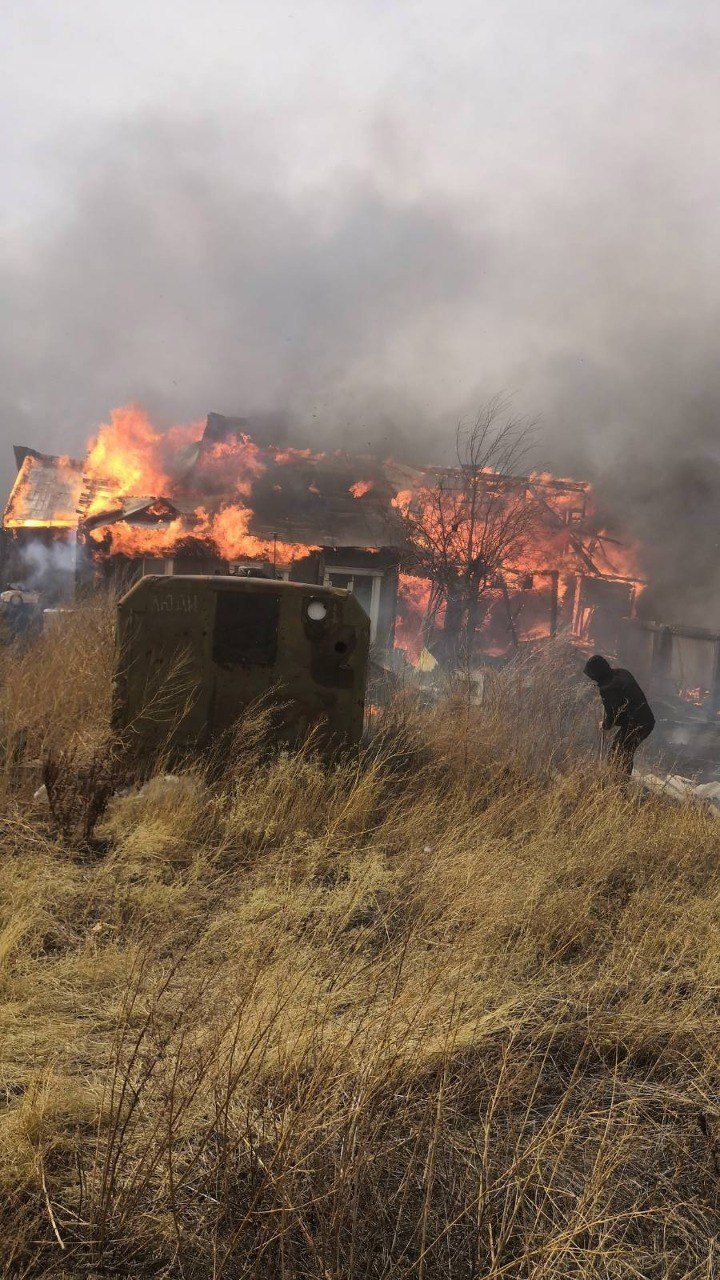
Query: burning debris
[[437, 556]]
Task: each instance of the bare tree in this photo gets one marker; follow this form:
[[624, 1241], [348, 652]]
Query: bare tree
[[467, 522]]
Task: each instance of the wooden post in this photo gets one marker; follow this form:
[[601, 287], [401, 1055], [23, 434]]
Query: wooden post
[[554, 579], [388, 605], [511, 620], [715, 691], [576, 604], [661, 653]]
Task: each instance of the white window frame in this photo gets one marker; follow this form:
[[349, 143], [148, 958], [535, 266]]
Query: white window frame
[[168, 565], [376, 575]]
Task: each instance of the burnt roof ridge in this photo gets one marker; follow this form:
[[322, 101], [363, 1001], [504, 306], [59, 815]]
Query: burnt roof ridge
[[23, 451], [264, 429]]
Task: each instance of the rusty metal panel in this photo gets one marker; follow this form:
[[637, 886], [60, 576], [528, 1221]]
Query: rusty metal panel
[[194, 652]]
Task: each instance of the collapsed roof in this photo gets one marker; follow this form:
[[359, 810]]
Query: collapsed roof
[[318, 500], [46, 491]]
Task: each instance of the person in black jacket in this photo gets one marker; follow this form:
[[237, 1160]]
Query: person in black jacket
[[626, 710]]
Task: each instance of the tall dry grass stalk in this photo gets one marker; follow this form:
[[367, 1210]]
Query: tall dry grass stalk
[[448, 1008], [56, 692]]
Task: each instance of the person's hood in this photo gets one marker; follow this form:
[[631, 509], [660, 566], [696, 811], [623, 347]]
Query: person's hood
[[598, 669]]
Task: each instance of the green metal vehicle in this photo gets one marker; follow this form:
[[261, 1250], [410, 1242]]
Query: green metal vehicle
[[193, 652]]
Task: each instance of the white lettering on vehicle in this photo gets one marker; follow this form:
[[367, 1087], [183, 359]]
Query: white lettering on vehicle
[[174, 604]]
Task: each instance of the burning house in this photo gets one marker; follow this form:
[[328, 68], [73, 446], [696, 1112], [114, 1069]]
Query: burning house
[[223, 498]]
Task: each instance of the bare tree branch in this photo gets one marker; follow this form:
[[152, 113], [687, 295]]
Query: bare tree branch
[[466, 523]]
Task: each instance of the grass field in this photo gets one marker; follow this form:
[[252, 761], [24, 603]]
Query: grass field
[[448, 1009]]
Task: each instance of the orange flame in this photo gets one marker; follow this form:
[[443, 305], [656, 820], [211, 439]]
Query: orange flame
[[228, 529], [696, 695], [402, 500], [284, 456], [127, 539], [131, 456], [412, 603]]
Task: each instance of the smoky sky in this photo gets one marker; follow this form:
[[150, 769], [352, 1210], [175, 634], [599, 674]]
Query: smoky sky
[[369, 218]]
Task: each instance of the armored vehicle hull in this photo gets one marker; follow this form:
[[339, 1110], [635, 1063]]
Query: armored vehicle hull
[[194, 652]]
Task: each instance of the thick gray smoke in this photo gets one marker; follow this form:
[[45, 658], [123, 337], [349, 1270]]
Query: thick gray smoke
[[182, 286], [554, 237], [44, 566]]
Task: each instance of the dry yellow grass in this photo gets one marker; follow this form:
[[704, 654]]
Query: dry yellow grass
[[450, 1009]]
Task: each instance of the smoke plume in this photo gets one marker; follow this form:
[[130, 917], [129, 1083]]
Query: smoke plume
[[42, 566]]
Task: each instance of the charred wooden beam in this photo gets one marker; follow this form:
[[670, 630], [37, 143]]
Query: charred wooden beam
[[554, 580], [511, 621]]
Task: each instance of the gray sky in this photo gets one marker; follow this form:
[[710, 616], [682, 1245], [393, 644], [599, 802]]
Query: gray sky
[[373, 216]]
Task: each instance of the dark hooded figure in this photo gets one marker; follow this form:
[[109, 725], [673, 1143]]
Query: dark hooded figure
[[626, 710]]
